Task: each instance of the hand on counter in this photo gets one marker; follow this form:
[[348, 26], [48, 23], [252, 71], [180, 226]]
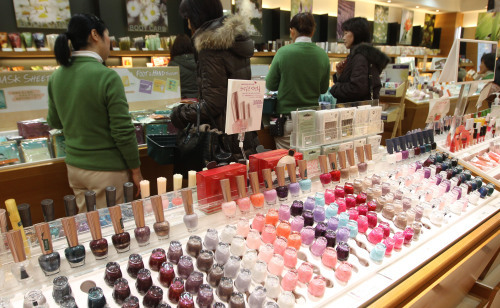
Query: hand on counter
[[137, 178]]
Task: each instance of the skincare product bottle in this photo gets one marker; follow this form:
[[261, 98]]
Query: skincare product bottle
[[191, 218]]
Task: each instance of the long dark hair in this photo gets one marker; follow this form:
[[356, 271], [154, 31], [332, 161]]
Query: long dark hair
[[360, 28], [79, 28], [200, 11], [182, 45]]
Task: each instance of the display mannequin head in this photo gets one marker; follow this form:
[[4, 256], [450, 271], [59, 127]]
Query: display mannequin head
[[198, 12], [356, 31], [85, 32], [302, 24]]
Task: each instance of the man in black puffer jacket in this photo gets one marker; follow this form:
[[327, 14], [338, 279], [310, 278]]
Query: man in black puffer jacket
[[223, 51], [352, 80]]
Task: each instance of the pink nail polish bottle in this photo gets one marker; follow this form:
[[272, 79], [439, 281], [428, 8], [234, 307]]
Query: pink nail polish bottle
[[243, 202], [228, 206]]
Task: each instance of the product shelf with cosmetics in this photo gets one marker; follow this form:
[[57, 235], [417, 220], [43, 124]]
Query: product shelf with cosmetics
[[345, 240]]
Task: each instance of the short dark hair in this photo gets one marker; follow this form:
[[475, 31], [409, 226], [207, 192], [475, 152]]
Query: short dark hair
[[489, 60], [360, 29], [200, 11], [182, 45], [304, 23]]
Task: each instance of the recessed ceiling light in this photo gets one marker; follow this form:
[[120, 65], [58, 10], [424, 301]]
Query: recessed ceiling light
[[388, 1], [437, 10], [417, 7]]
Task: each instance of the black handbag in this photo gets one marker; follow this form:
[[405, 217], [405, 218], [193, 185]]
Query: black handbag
[[277, 127], [199, 144]]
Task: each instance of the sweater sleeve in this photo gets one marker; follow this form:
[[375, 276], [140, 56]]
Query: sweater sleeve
[[358, 81], [120, 123], [274, 75], [53, 117]]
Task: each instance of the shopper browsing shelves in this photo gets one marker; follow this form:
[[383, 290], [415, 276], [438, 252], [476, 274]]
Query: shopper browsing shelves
[[87, 101], [358, 77], [300, 72], [182, 55]]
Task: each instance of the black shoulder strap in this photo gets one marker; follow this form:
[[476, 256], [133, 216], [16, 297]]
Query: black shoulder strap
[[212, 121], [370, 81]]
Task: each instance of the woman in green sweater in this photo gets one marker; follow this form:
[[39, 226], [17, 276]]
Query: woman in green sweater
[[87, 101]]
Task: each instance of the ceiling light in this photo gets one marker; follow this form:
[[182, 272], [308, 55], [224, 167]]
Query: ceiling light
[[437, 10], [417, 7], [388, 1]]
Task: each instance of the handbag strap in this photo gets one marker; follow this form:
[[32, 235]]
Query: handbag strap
[[370, 84], [204, 105]]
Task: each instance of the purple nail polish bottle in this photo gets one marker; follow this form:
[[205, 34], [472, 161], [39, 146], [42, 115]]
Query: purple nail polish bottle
[[307, 235], [310, 203], [320, 229], [297, 223], [331, 238], [319, 214], [342, 251], [333, 223], [284, 212], [270, 193], [293, 187], [343, 234], [296, 208], [282, 189], [308, 218]]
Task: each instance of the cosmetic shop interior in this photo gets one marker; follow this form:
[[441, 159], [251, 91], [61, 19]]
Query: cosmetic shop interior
[[249, 153]]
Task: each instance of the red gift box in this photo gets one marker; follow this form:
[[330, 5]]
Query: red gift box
[[208, 185], [268, 160]]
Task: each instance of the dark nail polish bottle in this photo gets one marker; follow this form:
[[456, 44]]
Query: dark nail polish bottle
[[112, 273], [134, 265], [175, 290], [75, 253], [70, 205], [308, 218], [121, 239], [193, 282], [282, 189], [205, 296], [144, 281], [161, 226], [153, 297], [128, 192], [98, 245], [174, 252], [414, 140], [186, 300], [205, 260], [49, 261], [237, 300], [194, 246], [225, 289], [110, 196], [157, 258], [121, 290], [142, 232], [60, 289], [131, 302], [96, 298], [90, 200], [48, 209], [25, 214], [167, 274], [420, 137], [185, 267], [215, 275]]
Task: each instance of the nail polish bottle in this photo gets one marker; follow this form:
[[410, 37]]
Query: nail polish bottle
[[112, 273], [157, 258], [430, 133], [48, 209], [134, 265], [121, 239], [391, 156], [402, 144], [305, 183], [142, 232], [414, 143], [144, 281], [344, 170], [243, 201], [325, 177], [21, 269], [128, 192], [90, 200], [293, 187], [409, 146], [369, 157], [70, 205], [334, 174], [228, 206], [420, 138], [75, 253], [257, 198], [96, 298], [24, 210], [98, 245], [282, 189], [49, 261], [190, 218], [270, 193], [161, 226], [362, 166], [353, 169]]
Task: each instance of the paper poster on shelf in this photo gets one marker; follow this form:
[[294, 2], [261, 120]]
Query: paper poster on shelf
[[245, 100], [428, 35], [46, 14], [406, 27], [438, 108], [380, 24], [147, 16]]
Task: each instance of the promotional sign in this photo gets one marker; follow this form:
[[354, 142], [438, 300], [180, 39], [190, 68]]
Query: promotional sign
[[406, 27], [438, 108], [428, 36], [245, 100], [345, 12], [148, 16], [49, 14]]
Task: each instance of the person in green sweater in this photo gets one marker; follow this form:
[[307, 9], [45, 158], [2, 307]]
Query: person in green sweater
[[182, 55], [300, 72], [87, 101]]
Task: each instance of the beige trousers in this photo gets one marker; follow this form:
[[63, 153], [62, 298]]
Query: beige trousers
[[284, 142], [81, 180]]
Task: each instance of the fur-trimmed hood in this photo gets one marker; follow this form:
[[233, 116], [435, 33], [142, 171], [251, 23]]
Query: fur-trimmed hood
[[225, 33], [372, 54]]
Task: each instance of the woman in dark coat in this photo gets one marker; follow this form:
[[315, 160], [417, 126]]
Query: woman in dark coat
[[352, 80], [182, 55], [223, 51]]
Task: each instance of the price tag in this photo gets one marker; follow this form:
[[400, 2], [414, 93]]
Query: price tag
[[145, 49], [18, 49], [31, 49], [44, 49], [116, 48], [161, 49], [7, 49], [133, 49]]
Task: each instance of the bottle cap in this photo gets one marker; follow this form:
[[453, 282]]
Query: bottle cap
[[414, 140], [280, 174], [44, 238], [292, 175], [110, 196], [342, 159], [332, 157], [303, 169], [226, 190], [94, 224], [90, 200], [361, 154], [69, 226], [116, 218], [402, 143], [242, 186], [254, 182], [16, 245], [48, 209], [128, 191], [268, 179], [157, 204], [368, 151], [323, 164], [3, 220], [138, 210], [350, 157], [70, 205], [25, 214], [388, 144], [187, 199]]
